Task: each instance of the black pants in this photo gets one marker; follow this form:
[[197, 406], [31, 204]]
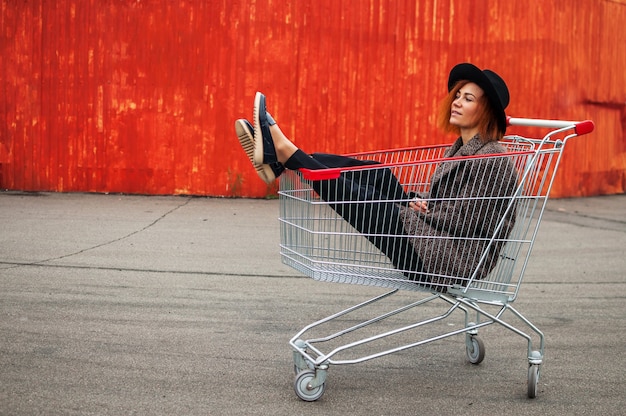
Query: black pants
[[378, 220]]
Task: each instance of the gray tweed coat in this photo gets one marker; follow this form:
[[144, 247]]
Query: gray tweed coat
[[467, 199]]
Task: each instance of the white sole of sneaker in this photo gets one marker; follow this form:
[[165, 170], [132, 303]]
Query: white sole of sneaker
[[258, 135]]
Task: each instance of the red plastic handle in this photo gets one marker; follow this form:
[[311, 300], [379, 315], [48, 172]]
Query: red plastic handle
[[320, 175], [584, 127]]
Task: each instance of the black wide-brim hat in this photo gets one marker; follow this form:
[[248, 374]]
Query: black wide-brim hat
[[491, 83]]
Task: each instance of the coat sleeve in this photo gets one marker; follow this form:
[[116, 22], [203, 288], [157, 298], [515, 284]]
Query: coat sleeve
[[473, 201]]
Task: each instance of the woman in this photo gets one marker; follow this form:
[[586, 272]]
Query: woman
[[441, 237]]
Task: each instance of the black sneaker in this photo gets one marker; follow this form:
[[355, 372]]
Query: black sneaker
[[264, 151]]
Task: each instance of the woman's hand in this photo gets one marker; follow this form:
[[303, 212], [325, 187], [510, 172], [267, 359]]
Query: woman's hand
[[419, 205]]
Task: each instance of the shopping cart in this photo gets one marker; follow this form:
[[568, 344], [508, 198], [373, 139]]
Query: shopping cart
[[320, 243]]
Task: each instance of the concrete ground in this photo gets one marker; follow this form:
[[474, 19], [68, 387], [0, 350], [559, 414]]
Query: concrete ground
[[113, 304]]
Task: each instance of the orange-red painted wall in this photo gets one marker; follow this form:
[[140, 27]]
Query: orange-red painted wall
[[141, 96]]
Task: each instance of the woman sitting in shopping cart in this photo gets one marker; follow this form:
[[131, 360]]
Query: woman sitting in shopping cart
[[441, 236]]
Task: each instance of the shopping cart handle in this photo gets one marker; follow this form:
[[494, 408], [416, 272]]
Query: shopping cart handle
[[580, 127], [320, 175]]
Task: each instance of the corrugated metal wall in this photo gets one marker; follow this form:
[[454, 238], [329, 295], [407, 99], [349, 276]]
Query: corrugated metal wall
[[141, 96]]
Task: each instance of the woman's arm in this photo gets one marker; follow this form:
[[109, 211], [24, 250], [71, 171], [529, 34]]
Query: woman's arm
[[474, 199]]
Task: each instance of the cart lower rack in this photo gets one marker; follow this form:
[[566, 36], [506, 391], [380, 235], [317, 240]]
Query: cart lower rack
[[459, 228]]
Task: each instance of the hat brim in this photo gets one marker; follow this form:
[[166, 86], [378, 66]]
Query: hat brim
[[472, 73]]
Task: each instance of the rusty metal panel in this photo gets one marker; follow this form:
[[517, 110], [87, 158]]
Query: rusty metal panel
[[140, 96]]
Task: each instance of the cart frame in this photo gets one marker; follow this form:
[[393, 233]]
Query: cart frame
[[482, 301]]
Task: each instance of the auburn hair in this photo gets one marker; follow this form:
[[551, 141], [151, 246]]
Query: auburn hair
[[488, 129]]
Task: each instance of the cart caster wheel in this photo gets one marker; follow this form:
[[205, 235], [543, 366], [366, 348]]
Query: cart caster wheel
[[533, 381], [476, 353], [302, 390]]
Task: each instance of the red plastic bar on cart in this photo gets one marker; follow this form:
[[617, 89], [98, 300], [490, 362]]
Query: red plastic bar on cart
[[320, 175]]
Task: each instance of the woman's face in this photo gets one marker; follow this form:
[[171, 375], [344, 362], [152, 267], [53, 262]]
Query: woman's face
[[463, 113]]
